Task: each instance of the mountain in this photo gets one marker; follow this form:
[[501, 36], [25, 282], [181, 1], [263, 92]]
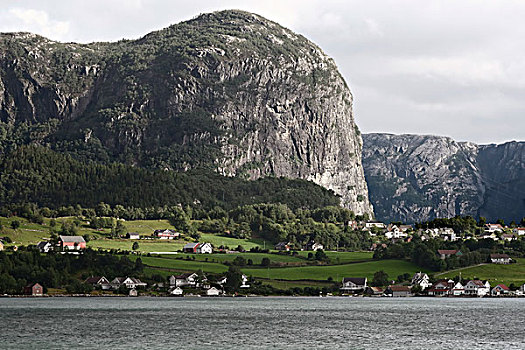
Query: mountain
[[229, 91], [415, 178]]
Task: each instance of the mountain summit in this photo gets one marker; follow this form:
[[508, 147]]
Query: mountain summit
[[229, 91]]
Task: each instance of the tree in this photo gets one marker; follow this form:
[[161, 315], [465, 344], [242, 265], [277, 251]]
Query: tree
[[135, 246], [265, 261], [239, 261], [15, 224], [501, 222], [320, 255], [380, 279], [522, 222], [233, 279]]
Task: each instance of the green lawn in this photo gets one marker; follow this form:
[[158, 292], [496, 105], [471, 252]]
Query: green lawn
[[145, 246], [147, 227], [344, 257], [181, 265], [365, 269], [256, 257], [217, 241], [495, 273]]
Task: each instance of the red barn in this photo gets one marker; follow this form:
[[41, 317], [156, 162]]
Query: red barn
[[72, 242], [34, 289]]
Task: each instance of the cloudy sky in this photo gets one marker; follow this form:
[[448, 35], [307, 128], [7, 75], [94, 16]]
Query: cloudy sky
[[454, 68]]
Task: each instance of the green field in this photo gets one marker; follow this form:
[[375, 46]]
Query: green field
[[256, 257], [495, 273], [365, 269], [145, 246], [344, 257], [181, 265]]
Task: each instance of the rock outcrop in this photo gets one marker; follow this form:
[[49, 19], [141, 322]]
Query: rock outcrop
[[415, 178], [230, 91]]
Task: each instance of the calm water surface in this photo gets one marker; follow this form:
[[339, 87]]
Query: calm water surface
[[261, 323]]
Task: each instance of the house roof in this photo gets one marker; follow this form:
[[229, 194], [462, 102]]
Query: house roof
[[400, 288], [499, 256], [72, 239], [42, 244], [478, 283], [185, 275], [355, 280], [502, 286], [191, 245]]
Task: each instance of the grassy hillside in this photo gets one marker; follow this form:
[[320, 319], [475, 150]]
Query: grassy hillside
[[507, 274]]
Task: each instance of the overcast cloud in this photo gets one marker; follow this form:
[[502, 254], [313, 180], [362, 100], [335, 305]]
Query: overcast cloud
[[454, 68]]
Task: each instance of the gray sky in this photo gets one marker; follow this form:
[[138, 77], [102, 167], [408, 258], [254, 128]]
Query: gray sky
[[454, 68]]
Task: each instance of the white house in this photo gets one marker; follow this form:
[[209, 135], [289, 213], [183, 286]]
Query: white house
[[99, 282], [500, 259], [492, 228], [522, 289], [44, 247], [213, 291], [499, 290], [133, 235], [166, 234], [520, 231], [129, 282], [457, 289], [421, 279], [184, 280], [177, 291], [353, 284], [315, 246], [477, 288], [441, 288], [204, 248], [377, 224]]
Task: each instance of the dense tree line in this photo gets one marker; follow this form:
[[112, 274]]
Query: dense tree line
[[20, 268], [33, 174]]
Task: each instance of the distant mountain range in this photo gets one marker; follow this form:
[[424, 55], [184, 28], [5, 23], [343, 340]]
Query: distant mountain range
[[415, 178]]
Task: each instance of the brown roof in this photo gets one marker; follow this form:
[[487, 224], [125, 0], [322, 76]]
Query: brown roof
[[499, 256], [400, 288]]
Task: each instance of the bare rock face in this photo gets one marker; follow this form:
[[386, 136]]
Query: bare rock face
[[415, 178], [228, 91]]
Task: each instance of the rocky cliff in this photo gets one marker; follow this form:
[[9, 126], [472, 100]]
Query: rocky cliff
[[415, 178], [229, 91]]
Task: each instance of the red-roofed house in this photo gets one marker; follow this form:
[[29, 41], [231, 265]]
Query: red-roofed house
[[499, 290], [72, 242]]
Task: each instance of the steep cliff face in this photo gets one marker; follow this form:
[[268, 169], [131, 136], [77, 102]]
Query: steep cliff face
[[415, 178], [229, 91]]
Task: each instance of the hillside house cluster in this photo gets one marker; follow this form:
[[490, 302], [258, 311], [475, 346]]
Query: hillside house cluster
[[287, 246], [166, 234], [191, 280], [68, 244]]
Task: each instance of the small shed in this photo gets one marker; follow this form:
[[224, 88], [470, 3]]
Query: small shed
[[34, 289]]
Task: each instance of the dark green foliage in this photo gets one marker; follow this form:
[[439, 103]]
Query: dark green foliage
[[38, 175], [380, 279], [233, 279]]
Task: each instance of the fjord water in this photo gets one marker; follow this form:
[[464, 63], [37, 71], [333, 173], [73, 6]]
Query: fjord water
[[261, 323]]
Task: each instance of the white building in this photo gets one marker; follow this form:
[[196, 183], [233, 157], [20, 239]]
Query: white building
[[204, 248], [129, 282], [177, 291], [421, 279], [477, 288], [213, 291], [184, 280], [353, 284]]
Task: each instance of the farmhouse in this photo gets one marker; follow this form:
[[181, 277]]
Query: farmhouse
[[353, 284], [204, 248], [166, 234], [477, 288], [198, 248], [500, 259], [34, 289], [72, 242], [132, 235], [421, 279], [44, 247], [492, 228], [100, 282], [520, 231], [129, 282], [500, 289]]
